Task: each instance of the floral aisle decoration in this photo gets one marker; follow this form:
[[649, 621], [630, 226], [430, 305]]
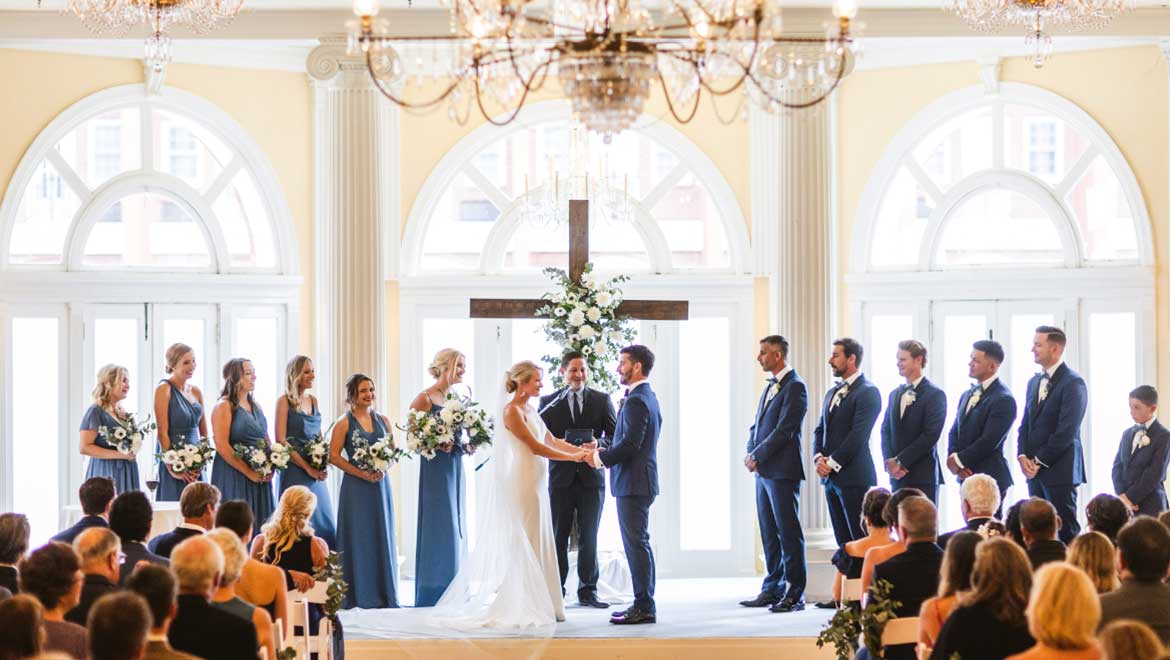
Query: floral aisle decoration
[[582, 316], [445, 429], [265, 457], [852, 624], [126, 437]]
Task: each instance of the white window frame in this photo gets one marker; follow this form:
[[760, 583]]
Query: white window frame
[[1057, 148]]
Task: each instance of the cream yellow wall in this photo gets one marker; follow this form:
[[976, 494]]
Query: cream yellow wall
[[1124, 90], [273, 107]]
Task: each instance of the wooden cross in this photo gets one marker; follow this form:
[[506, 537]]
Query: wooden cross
[[654, 310]]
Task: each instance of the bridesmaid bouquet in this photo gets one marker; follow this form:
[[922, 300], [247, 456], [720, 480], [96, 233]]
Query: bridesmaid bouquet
[[479, 425], [183, 458], [427, 434], [377, 457], [314, 450], [127, 436], [263, 457]]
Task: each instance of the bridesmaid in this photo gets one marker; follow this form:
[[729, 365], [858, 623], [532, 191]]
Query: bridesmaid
[[237, 419], [113, 384], [297, 420], [440, 541], [178, 410], [365, 510]]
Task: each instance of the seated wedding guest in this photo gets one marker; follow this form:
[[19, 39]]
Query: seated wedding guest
[[157, 586], [197, 564], [118, 626], [1139, 468], [52, 574], [1039, 525], [1106, 514], [955, 579], [14, 532], [849, 557], [1126, 639], [197, 504], [913, 575], [1011, 520], [130, 518], [989, 623], [101, 562], [96, 495], [1093, 553], [980, 500], [225, 598], [1143, 549], [1063, 614], [260, 584], [879, 554], [22, 633]]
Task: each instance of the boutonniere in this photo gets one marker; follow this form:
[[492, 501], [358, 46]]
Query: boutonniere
[[1142, 441], [912, 396], [622, 402], [773, 389]]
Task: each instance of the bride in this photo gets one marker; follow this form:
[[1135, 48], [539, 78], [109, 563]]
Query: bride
[[511, 579]]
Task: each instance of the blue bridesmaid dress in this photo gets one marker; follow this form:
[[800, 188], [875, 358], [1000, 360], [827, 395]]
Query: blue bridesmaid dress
[[299, 428], [247, 428], [365, 532], [440, 524], [182, 428], [123, 472]]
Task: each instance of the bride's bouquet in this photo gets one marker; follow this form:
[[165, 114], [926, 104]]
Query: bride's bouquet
[[379, 456], [314, 450], [183, 458], [127, 436], [428, 433], [264, 457]]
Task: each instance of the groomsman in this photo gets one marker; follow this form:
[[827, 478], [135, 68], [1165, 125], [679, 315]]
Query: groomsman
[[576, 489], [915, 415], [841, 440], [1049, 443], [982, 422], [1140, 465], [773, 455]]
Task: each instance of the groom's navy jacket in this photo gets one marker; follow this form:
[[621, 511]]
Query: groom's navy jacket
[[632, 456], [774, 440], [843, 433]]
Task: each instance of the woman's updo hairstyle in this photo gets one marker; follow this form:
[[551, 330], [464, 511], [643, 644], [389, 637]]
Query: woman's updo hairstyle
[[353, 385], [445, 362], [175, 352], [520, 373]]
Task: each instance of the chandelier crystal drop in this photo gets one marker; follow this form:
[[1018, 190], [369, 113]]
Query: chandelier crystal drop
[[608, 56], [1038, 17]]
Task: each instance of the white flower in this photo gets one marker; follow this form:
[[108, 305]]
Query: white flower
[[120, 433], [589, 280], [558, 297], [136, 438], [587, 350], [577, 317], [593, 314], [258, 457], [587, 332], [447, 415], [604, 299], [599, 347], [559, 311], [616, 337]]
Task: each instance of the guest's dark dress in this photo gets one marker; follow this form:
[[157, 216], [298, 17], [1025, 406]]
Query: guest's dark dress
[[440, 537], [247, 429], [847, 564], [300, 558], [300, 427], [973, 633], [183, 418], [123, 472]]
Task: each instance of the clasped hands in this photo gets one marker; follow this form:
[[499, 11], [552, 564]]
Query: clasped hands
[[823, 467], [953, 466], [588, 454], [895, 469], [1029, 467]]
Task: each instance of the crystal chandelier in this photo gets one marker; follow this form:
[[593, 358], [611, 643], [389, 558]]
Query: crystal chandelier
[[607, 56], [547, 202], [1037, 17], [120, 16]]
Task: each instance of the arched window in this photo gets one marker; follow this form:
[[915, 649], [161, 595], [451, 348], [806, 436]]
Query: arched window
[[990, 214], [132, 222]]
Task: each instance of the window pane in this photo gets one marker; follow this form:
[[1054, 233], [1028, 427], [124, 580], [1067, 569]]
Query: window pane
[[247, 229], [530, 343], [959, 332], [1113, 369], [43, 218], [957, 148], [1103, 215], [705, 480], [901, 220], [258, 340], [999, 227], [146, 229], [116, 341], [104, 146], [693, 229], [885, 331], [187, 150], [455, 237], [1040, 143], [613, 246], [1021, 367], [37, 435]]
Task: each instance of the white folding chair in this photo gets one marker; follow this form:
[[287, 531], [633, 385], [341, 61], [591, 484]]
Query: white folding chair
[[298, 615], [903, 630], [851, 591]]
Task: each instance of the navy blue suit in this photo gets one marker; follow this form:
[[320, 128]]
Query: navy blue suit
[[977, 437], [774, 444], [67, 536], [632, 458], [912, 438], [1139, 474], [1050, 433], [842, 434]]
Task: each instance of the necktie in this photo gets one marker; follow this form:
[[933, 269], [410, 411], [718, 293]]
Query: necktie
[[1042, 393], [976, 392], [576, 396]]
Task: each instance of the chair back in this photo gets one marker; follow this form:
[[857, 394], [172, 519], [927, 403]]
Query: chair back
[[903, 630], [851, 590]]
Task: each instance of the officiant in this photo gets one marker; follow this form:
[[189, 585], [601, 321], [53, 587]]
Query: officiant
[[578, 413]]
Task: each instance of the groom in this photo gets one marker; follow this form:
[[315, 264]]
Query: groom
[[632, 455]]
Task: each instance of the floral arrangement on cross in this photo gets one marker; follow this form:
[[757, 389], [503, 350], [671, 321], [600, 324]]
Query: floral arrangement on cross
[[582, 316]]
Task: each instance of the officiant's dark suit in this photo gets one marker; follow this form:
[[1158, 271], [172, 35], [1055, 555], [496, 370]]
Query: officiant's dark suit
[[574, 488], [842, 435], [1050, 434], [1138, 474], [774, 444], [912, 436], [977, 435]]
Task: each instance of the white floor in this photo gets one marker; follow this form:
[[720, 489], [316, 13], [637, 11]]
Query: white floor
[[690, 608]]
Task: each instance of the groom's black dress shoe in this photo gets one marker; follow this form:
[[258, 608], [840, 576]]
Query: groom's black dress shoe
[[788, 605], [765, 599], [632, 616], [590, 600]]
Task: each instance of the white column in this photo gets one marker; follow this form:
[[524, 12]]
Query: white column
[[794, 226], [355, 219]]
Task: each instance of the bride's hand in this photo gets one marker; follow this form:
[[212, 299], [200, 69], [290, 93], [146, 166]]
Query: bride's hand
[[589, 446]]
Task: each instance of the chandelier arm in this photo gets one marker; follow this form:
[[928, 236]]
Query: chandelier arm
[[806, 104], [734, 115], [402, 102], [670, 104], [519, 104], [724, 92]]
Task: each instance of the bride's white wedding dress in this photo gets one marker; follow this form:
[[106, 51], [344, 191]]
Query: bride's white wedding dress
[[510, 580]]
